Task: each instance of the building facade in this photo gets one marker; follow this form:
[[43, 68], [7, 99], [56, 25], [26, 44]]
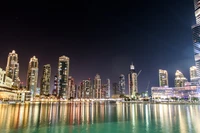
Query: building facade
[[196, 37], [115, 87], [107, 91], [71, 87], [163, 78], [12, 68], [122, 84], [97, 87], [186, 92], [193, 74], [63, 76], [32, 76], [180, 79], [133, 84], [45, 81]]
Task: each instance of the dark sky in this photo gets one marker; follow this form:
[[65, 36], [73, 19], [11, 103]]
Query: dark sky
[[101, 37]]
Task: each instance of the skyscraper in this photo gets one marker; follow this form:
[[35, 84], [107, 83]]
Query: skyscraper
[[63, 76], [163, 78], [12, 68], [97, 86], [55, 90], [115, 87], [86, 89], [196, 36], [32, 76], [107, 91], [133, 84], [122, 84], [45, 81], [71, 87], [193, 74], [180, 79]]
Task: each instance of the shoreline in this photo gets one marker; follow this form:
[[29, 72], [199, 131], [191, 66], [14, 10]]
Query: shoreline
[[101, 102]]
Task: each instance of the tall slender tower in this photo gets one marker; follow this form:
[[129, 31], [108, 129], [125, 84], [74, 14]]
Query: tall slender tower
[[97, 86], [133, 84], [45, 81], [163, 78], [71, 87], [196, 36], [122, 84], [180, 79], [32, 76], [107, 89], [63, 76], [12, 68]]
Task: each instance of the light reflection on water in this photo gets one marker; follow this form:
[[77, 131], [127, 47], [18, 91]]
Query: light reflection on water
[[105, 117]]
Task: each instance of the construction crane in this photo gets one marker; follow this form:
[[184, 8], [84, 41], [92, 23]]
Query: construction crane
[[139, 73], [148, 86]]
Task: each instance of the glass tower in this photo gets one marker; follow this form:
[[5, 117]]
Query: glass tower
[[196, 36], [45, 81], [163, 78], [32, 76], [63, 76]]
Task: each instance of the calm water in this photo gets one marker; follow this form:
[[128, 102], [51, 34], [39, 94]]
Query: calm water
[[99, 118]]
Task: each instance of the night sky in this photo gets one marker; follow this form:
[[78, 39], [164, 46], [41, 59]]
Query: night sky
[[101, 37]]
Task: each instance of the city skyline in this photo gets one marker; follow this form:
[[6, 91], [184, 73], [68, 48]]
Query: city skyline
[[91, 39]]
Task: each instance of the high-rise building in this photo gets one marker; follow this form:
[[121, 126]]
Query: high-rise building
[[12, 68], [55, 88], [163, 78], [97, 87], [133, 84], [115, 87], [86, 89], [122, 84], [71, 87], [63, 76], [180, 79], [193, 74], [45, 81], [196, 36], [107, 91], [32, 76]]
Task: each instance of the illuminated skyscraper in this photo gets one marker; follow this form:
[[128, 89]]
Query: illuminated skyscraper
[[97, 86], [71, 87], [133, 84], [12, 68], [55, 89], [163, 78], [32, 76], [122, 84], [107, 91], [197, 10], [196, 36], [180, 79], [63, 76], [45, 81], [193, 74], [86, 89]]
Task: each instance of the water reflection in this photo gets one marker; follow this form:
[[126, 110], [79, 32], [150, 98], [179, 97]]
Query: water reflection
[[91, 117]]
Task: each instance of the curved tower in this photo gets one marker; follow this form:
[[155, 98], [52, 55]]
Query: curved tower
[[196, 36]]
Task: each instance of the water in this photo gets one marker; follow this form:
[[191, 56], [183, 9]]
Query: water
[[99, 118]]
